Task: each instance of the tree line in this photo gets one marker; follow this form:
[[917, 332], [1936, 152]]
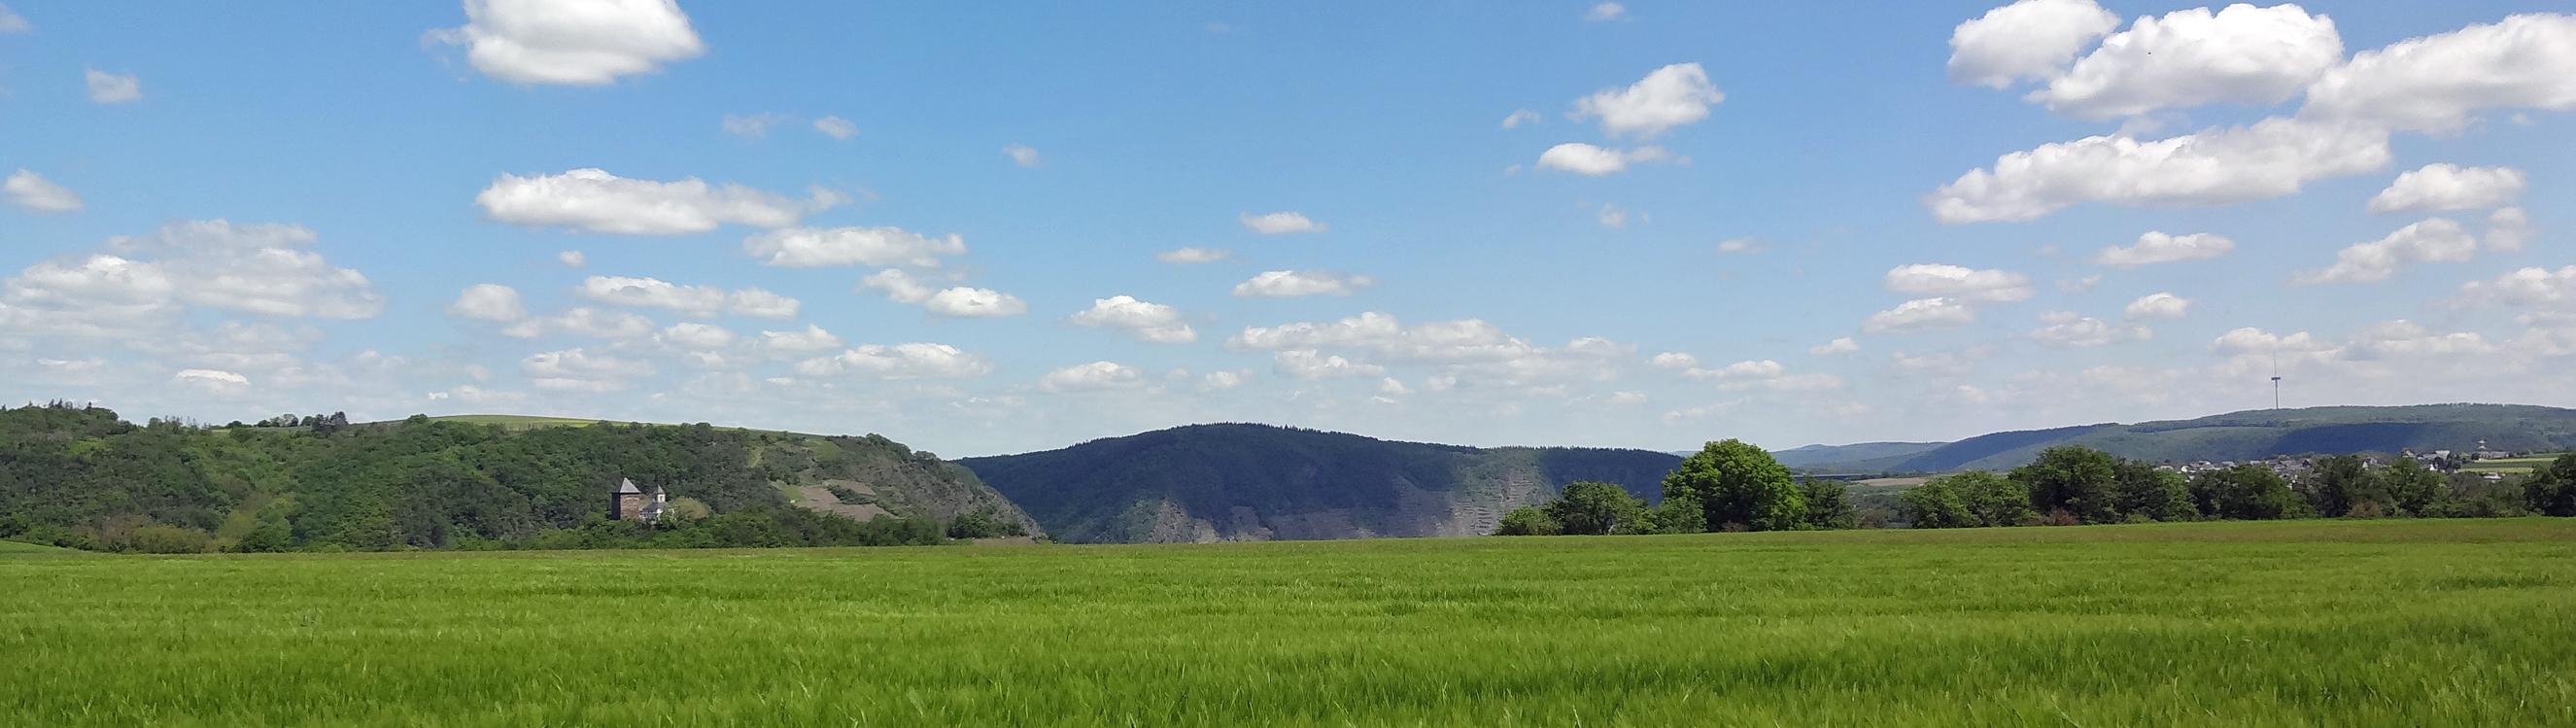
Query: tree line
[[1727, 486], [1733, 486]]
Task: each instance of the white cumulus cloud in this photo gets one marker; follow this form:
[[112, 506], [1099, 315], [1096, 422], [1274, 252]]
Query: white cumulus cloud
[[1281, 223], [697, 301], [260, 269], [956, 302], [594, 200], [583, 321], [2067, 329], [2242, 54], [699, 336], [2272, 158], [2401, 339], [752, 125], [2029, 39], [836, 127], [900, 361], [1022, 154], [212, 381], [32, 191], [1290, 283], [1092, 377], [2436, 240], [797, 343], [2160, 305], [112, 88], [1151, 322], [586, 42], [1311, 364], [1919, 315], [2449, 187], [1668, 97], [2438, 83], [489, 302], [1186, 256], [1959, 282], [2155, 247], [870, 246], [1594, 161]]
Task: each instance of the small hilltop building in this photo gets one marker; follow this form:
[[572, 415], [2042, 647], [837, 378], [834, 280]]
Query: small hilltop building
[[630, 503]]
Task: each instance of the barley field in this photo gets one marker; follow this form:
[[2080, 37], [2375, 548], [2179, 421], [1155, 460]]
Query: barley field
[[2278, 623]]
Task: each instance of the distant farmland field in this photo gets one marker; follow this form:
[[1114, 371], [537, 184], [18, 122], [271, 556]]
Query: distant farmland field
[[2511, 465], [518, 422], [2314, 623]]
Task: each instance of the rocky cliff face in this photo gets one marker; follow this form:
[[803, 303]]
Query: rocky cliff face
[[887, 478]]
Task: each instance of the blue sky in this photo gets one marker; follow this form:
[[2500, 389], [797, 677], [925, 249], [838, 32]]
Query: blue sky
[[1794, 176]]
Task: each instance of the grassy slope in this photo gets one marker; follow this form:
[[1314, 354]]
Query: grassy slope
[[2319, 623], [517, 422]]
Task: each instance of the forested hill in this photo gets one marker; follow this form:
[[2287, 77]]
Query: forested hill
[[1256, 482], [80, 476], [2256, 434]]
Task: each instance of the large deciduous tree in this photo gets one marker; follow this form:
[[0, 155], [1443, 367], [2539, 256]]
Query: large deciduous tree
[[2146, 492], [1739, 486], [1589, 508], [1935, 504], [2081, 481], [1527, 521], [2416, 490], [2551, 490], [1993, 500], [1829, 504], [2344, 483], [2246, 492]]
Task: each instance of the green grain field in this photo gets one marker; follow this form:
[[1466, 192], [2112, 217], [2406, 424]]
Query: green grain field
[[2400, 623], [2512, 466]]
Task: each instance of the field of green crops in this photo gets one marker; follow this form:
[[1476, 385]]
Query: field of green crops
[[2281, 623], [2512, 466]]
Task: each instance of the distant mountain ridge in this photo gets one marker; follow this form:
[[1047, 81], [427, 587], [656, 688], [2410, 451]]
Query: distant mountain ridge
[[2248, 435], [1855, 457], [1236, 482]]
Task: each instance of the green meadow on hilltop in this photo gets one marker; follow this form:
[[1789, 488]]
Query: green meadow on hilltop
[[2430, 622]]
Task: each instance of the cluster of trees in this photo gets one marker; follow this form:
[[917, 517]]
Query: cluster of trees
[[330, 421], [81, 477], [1733, 486], [984, 524], [1726, 486], [2551, 491], [2076, 485]]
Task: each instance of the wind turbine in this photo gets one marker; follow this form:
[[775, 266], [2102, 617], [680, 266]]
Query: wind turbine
[[2276, 379]]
